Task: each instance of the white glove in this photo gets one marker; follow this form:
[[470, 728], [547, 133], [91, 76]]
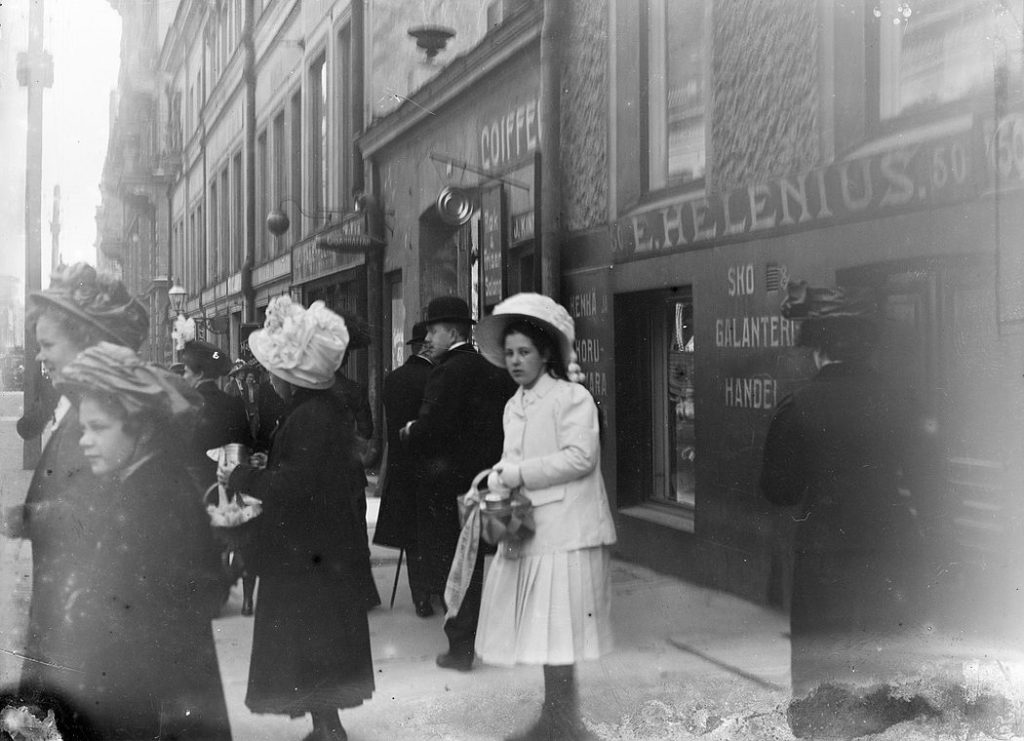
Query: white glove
[[509, 475], [494, 482]]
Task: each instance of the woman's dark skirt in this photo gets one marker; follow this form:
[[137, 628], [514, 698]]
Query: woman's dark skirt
[[311, 645]]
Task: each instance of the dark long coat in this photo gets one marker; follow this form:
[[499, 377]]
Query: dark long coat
[[311, 639], [403, 396], [221, 421], [142, 660], [63, 491], [857, 457], [457, 433]]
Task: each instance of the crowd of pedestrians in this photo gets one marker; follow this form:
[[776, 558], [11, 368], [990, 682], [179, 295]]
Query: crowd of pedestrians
[[128, 571]]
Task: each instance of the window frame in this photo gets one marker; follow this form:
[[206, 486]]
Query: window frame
[[652, 184], [977, 101]]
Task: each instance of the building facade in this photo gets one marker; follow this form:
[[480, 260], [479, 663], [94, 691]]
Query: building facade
[[677, 161]]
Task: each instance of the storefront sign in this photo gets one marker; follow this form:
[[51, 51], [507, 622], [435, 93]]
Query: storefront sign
[[743, 385], [522, 227], [492, 215], [310, 261], [586, 297], [917, 176], [1004, 147], [511, 136]]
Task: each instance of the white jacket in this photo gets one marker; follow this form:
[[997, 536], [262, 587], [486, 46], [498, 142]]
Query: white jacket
[[551, 434]]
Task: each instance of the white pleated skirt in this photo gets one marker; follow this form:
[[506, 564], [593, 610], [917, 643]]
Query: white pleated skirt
[[553, 608]]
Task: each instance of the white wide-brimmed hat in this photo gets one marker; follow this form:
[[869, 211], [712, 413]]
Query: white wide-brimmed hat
[[302, 346], [541, 310]]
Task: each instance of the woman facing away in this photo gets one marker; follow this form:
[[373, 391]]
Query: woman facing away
[[311, 639], [548, 601], [79, 309], [143, 658], [862, 462]]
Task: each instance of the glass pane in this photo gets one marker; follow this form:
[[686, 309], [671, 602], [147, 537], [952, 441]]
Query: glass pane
[[937, 51], [684, 108], [397, 324], [679, 374]]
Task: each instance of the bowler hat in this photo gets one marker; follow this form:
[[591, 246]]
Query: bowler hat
[[419, 333], [447, 309]]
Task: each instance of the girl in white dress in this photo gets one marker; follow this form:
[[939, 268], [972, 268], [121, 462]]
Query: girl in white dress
[[548, 601]]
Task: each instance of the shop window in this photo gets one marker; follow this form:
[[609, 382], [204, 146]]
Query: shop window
[[937, 52], [656, 406], [675, 91], [395, 317]]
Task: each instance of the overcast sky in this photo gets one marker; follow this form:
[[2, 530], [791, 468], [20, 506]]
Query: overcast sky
[[84, 38]]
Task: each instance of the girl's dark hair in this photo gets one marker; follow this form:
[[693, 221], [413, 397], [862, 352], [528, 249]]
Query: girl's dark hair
[[80, 333], [543, 340], [845, 338], [162, 430]]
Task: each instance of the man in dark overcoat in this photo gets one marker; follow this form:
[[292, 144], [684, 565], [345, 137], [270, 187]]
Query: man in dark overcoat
[[457, 433], [396, 519]]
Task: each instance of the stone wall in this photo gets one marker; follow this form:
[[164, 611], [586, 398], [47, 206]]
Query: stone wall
[[584, 119], [765, 92]]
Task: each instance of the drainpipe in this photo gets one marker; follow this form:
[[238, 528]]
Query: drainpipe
[[374, 262], [553, 35], [249, 74], [356, 63]]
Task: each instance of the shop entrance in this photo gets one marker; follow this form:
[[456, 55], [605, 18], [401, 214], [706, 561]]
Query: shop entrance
[[656, 390], [938, 325]]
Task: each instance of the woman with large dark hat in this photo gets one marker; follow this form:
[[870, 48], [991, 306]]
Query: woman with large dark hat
[[79, 309], [222, 419], [311, 639], [854, 452], [144, 663]]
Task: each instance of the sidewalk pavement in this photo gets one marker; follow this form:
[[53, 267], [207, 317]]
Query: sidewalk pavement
[[688, 662]]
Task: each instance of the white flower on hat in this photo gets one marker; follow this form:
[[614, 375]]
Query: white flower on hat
[[184, 331], [303, 346]]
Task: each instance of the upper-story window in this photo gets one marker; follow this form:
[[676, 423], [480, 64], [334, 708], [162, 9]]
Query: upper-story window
[[317, 158], [935, 52], [676, 91]]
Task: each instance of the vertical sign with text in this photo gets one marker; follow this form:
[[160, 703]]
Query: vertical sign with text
[[492, 218]]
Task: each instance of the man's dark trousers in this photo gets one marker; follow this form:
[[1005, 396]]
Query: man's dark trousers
[[461, 629]]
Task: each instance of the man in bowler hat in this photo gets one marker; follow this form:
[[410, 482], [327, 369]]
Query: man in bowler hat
[[396, 520], [456, 434]]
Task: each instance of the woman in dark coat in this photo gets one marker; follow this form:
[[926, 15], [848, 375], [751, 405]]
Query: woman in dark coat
[[859, 458], [79, 309], [311, 640], [143, 660], [221, 421], [222, 418]]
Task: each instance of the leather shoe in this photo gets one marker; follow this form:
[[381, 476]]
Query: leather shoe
[[424, 609], [459, 662]]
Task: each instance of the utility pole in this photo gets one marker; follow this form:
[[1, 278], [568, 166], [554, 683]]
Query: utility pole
[[249, 74], [55, 258], [35, 72]]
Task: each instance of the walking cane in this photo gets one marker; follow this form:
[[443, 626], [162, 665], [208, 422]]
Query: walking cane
[[398, 571]]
